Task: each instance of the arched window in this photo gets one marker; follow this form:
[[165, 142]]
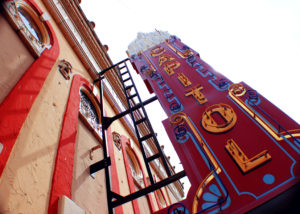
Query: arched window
[[136, 170], [23, 38], [29, 25], [89, 109], [136, 179]]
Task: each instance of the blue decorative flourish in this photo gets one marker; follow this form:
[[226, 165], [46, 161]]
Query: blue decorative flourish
[[178, 208], [175, 107], [144, 68], [185, 47], [180, 132], [191, 60], [223, 83], [172, 39], [252, 97], [173, 42]]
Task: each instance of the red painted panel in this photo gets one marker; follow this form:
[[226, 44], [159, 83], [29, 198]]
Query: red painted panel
[[113, 168], [63, 170], [124, 142], [16, 106]]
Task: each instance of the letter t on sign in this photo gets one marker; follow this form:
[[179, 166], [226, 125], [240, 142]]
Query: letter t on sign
[[196, 92]]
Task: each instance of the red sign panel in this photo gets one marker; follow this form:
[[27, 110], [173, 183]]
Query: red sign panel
[[237, 148]]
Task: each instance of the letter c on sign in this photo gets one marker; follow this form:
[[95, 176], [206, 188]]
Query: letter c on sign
[[157, 51]]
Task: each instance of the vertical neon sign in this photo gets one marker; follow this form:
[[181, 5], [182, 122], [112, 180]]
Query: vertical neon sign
[[237, 148]]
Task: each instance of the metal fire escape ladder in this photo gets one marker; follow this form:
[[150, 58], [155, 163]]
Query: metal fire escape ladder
[[136, 108], [128, 85]]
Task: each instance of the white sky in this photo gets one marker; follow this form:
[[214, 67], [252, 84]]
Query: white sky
[[256, 41]]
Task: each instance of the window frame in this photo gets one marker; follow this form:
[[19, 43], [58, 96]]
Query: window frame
[[13, 15], [96, 104]]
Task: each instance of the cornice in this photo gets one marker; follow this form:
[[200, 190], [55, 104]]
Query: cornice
[[90, 39]]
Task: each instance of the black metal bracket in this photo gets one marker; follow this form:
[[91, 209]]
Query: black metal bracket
[[116, 196], [124, 199], [100, 165], [107, 121], [153, 157], [99, 79]]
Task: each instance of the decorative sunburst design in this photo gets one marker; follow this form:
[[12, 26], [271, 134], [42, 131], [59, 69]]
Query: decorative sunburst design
[[211, 197]]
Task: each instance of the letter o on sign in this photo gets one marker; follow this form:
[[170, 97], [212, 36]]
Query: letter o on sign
[[218, 118]]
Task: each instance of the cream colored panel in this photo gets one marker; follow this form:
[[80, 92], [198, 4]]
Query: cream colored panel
[[87, 192], [15, 58], [144, 205]]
